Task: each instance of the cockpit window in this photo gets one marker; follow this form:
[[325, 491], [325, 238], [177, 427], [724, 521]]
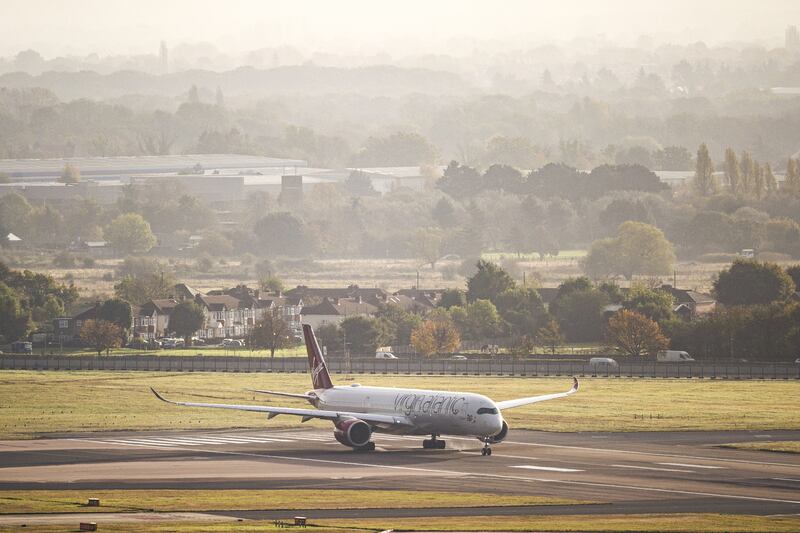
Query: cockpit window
[[487, 411]]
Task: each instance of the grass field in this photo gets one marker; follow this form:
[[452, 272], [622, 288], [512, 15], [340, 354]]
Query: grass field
[[34, 403], [678, 523], [390, 274], [73, 501], [185, 352], [788, 446]]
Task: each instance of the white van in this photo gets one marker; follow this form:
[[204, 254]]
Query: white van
[[673, 356], [385, 355], [603, 362]]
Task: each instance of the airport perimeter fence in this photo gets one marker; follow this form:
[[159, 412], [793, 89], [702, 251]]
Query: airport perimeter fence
[[474, 367]]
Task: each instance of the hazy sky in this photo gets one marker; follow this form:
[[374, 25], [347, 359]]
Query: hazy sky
[[107, 27]]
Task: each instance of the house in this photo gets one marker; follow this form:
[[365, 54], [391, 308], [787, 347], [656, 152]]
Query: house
[[183, 292], [67, 330], [423, 299], [335, 311], [310, 295], [225, 316], [690, 304], [151, 321]]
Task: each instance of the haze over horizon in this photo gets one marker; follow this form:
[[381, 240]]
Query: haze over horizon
[[359, 27]]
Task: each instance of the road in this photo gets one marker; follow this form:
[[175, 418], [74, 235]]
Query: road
[[674, 472]]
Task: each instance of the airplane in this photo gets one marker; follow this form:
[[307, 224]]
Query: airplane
[[357, 411]]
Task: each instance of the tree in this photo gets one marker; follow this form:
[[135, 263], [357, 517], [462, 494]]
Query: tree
[[283, 234], [791, 182], [550, 336], [143, 279], [117, 311], [654, 304], [635, 334], [271, 284], [460, 181], [400, 323], [748, 167], [705, 183], [749, 282], [186, 318], [522, 309], [503, 177], [358, 183], [400, 149], [444, 213], [362, 335], [15, 322], [732, 172], [427, 245], [453, 297], [130, 233], [436, 335], [794, 273], [70, 174], [272, 332], [580, 315], [638, 248], [783, 235], [478, 320], [488, 282], [769, 180], [101, 335]]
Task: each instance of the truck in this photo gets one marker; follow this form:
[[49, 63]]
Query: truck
[[673, 356]]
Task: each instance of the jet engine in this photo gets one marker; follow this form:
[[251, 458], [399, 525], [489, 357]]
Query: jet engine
[[353, 432], [500, 437]]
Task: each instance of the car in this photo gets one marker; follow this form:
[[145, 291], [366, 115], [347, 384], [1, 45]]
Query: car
[[458, 358], [232, 343], [385, 355], [603, 362], [172, 343]]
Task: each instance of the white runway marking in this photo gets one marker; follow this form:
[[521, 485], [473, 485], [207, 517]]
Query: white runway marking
[[686, 465], [653, 468], [547, 468], [786, 479]]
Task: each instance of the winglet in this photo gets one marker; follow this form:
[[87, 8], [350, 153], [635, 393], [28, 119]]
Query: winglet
[[159, 396]]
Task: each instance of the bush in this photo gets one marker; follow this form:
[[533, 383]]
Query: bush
[[88, 262], [64, 260]]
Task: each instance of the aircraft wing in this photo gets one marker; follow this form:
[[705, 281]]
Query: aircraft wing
[[307, 414], [286, 394], [508, 404]]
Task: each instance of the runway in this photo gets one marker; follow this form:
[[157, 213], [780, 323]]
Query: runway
[[673, 472]]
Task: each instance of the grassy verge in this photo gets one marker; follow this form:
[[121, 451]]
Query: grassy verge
[[73, 501], [787, 446], [679, 523], [192, 351], [33, 403]]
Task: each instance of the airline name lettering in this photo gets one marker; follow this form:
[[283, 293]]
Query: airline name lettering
[[429, 404]]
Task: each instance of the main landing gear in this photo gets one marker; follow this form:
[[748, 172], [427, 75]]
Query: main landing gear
[[433, 443], [368, 447], [486, 450]]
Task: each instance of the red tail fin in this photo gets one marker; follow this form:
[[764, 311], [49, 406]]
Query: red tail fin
[[316, 364]]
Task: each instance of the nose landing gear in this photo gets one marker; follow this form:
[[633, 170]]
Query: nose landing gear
[[486, 450], [433, 443]]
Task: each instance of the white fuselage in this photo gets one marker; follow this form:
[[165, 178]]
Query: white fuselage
[[430, 412]]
